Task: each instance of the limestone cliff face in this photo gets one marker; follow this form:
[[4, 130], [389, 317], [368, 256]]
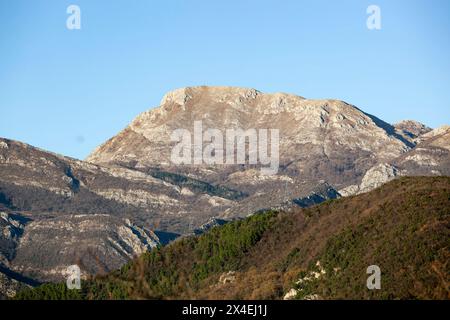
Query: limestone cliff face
[[319, 139], [98, 243], [301, 121]]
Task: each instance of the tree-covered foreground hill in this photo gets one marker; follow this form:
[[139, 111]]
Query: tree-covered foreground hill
[[320, 252]]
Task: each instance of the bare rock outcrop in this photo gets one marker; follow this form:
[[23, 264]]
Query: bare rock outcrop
[[96, 243], [377, 176], [325, 134], [320, 140], [430, 157], [411, 130]]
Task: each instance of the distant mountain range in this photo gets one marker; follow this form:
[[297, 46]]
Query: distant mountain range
[[128, 197]]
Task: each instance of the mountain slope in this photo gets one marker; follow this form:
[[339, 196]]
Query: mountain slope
[[430, 157], [96, 216], [55, 212], [33, 180], [403, 227], [327, 140], [411, 129]]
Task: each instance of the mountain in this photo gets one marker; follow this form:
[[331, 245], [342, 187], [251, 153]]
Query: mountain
[[321, 252], [55, 212], [430, 156], [411, 129], [129, 196], [320, 141], [33, 180]]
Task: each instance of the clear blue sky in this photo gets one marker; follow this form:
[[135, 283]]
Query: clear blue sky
[[69, 90]]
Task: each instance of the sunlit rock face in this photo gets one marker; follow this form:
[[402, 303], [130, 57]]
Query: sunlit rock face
[[327, 140]]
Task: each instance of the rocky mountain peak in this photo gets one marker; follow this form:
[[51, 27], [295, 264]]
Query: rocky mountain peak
[[182, 95], [411, 129], [325, 124]]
